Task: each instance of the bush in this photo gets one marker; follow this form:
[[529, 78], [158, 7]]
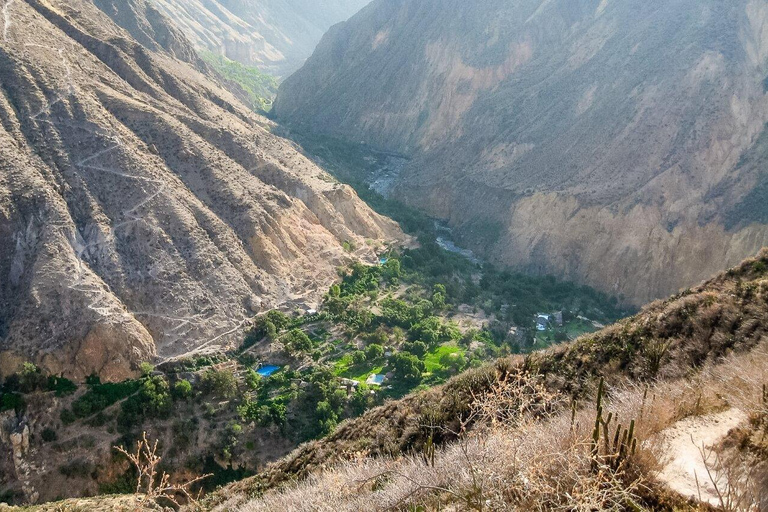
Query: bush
[[146, 369], [67, 417], [48, 435], [252, 380], [61, 386], [12, 402], [454, 362], [101, 396], [182, 390], [77, 468]]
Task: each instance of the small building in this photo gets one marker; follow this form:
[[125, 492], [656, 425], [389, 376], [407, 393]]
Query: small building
[[311, 312], [350, 382], [558, 317], [542, 322]]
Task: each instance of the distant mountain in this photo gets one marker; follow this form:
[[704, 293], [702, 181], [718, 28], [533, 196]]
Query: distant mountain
[[275, 35], [620, 144], [144, 211]]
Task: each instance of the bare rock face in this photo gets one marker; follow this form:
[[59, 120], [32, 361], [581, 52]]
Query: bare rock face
[[144, 212], [616, 143], [275, 35]]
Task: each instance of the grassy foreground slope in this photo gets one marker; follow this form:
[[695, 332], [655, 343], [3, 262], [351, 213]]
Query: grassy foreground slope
[[668, 339]]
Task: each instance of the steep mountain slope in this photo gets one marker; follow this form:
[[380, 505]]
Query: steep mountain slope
[[275, 35], [144, 211], [594, 139]]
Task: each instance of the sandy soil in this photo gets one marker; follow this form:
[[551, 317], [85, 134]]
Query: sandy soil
[[685, 470]]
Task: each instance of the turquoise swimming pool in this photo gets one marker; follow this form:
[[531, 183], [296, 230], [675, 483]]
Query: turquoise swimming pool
[[266, 371]]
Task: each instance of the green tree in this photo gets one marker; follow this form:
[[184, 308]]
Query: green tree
[[155, 396], [391, 271], [297, 341], [182, 389], [361, 400], [455, 362], [220, 382], [280, 320], [374, 351], [252, 380], [438, 297], [417, 348], [358, 357], [146, 369], [31, 379], [270, 330], [407, 366], [326, 417]]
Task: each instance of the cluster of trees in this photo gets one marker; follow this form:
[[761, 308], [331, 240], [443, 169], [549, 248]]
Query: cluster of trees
[[312, 399], [29, 379]]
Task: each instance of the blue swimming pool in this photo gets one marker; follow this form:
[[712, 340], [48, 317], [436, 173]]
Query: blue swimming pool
[[266, 371]]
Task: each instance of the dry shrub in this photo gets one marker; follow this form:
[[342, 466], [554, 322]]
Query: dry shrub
[[740, 479], [157, 486], [512, 397]]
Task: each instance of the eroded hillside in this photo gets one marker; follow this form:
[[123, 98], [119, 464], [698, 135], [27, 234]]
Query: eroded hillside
[[597, 140], [144, 212]]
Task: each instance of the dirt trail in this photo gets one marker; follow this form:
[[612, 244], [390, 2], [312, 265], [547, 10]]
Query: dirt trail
[[684, 463]]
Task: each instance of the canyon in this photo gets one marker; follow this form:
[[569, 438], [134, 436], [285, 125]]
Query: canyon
[[276, 36], [594, 140]]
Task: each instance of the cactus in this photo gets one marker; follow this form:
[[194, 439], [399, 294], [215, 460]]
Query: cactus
[[429, 451], [645, 399], [624, 442], [574, 407]]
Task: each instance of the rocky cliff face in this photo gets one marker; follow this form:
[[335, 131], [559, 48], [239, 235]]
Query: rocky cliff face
[[144, 212], [275, 35], [617, 143]]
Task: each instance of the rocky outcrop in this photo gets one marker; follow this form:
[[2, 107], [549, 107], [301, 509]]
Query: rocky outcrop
[[596, 140], [275, 35], [137, 220]]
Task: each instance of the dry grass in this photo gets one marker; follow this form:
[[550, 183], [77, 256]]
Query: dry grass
[[532, 452]]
